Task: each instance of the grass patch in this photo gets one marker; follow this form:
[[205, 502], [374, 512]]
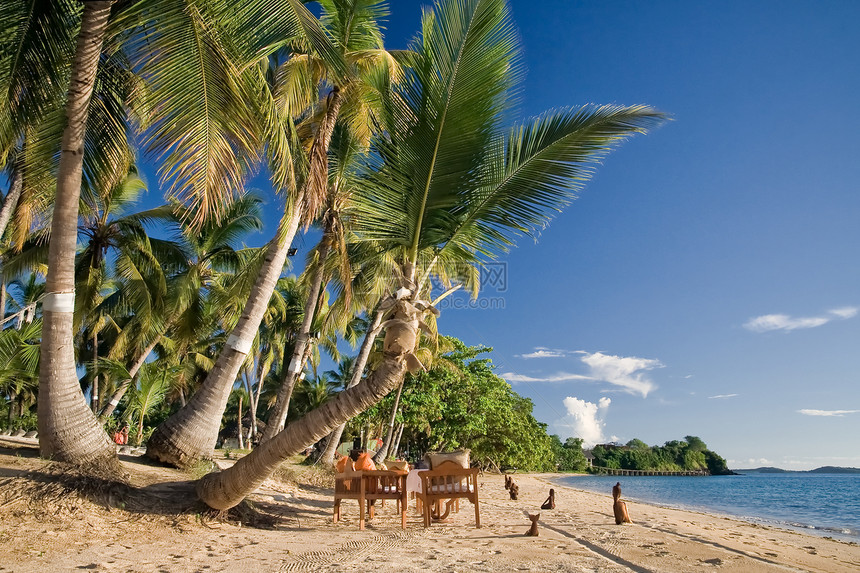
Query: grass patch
[[200, 468]]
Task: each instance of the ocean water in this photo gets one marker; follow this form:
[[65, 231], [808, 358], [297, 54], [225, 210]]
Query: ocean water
[[821, 504]]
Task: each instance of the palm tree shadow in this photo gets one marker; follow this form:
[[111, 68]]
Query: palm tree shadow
[[158, 491]]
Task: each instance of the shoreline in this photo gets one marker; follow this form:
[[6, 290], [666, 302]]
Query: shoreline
[[580, 535], [844, 534]]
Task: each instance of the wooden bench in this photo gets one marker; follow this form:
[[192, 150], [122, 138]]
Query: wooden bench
[[368, 486], [451, 482]]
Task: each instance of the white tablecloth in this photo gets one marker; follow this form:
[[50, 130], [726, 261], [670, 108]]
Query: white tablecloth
[[413, 481]]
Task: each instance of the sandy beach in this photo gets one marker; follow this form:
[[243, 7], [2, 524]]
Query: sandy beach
[[47, 529]]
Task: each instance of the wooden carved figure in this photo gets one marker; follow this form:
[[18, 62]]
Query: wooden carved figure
[[533, 530]]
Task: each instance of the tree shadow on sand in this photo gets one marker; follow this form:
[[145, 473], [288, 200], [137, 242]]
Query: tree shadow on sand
[[45, 487]]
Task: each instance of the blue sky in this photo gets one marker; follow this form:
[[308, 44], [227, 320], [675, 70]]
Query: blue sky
[[706, 281]]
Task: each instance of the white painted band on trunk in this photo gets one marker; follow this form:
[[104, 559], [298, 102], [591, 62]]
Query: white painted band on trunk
[[59, 302], [240, 345], [114, 403], [294, 366]]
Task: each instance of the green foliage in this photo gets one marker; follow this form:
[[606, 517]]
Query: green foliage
[[19, 374], [200, 468], [692, 454], [146, 396], [637, 444], [27, 422], [716, 464], [463, 404], [695, 444], [569, 456]]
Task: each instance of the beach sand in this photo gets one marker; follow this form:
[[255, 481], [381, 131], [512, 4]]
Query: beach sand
[[74, 534]]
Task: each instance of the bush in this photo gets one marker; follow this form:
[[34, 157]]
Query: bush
[[28, 422]]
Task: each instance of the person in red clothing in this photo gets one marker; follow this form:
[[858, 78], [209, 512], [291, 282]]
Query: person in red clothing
[[121, 436]]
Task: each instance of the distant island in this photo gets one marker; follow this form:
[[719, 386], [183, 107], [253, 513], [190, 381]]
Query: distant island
[[821, 470], [676, 456]]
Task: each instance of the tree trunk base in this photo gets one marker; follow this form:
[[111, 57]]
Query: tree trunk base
[[160, 448]]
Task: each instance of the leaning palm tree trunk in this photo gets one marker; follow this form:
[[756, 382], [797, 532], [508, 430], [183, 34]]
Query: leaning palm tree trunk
[[2, 298], [296, 365], [10, 202], [253, 400], [68, 430], [357, 370], [389, 436], [94, 393], [396, 447], [225, 489], [239, 425], [190, 434]]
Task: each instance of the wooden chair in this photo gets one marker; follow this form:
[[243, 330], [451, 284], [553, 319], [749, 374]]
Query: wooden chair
[[451, 482], [368, 486]]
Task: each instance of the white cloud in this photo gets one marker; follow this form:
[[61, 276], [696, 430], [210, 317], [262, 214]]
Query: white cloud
[[585, 419], [557, 377], [624, 371], [827, 412], [720, 396], [628, 372], [768, 322], [782, 322], [845, 312], [543, 353]]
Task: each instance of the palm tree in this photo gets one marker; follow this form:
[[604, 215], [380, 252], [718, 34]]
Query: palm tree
[[344, 155], [191, 434], [68, 430], [447, 186], [24, 296], [372, 284], [313, 392], [10, 200], [37, 42], [431, 352], [197, 58], [279, 326], [147, 395], [106, 225], [356, 374], [34, 76], [194, 263]]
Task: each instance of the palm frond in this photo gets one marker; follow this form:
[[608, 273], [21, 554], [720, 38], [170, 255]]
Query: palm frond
[[204, 129], [443, 115], [538, 170], [446, 188], [296, 84], [108, 156], [37, 41], [262, 27], [32, 258]]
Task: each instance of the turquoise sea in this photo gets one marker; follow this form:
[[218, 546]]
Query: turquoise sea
[[821, 504]]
